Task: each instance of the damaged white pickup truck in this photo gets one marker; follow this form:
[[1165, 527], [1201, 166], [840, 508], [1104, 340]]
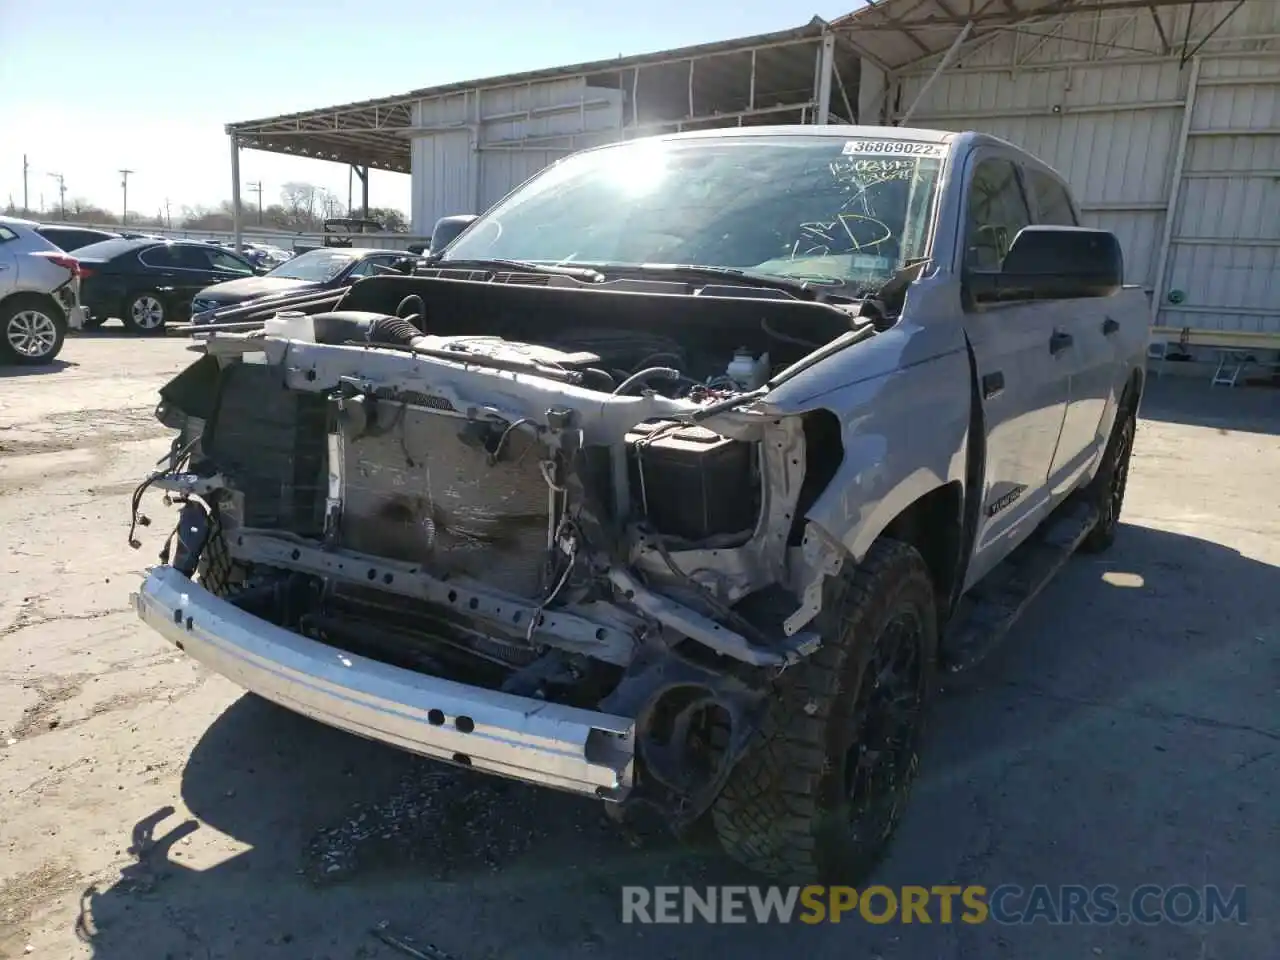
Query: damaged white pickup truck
[[674, 480]]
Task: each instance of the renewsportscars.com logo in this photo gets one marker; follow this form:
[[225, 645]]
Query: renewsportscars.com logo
[[1008, 904]]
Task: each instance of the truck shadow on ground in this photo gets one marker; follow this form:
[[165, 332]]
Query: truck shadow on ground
[[323, 835]]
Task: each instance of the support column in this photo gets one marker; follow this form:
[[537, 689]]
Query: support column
[[873, 87], [363, 174], [237, 213], [954, 49], [1175, 189], [826, 64]]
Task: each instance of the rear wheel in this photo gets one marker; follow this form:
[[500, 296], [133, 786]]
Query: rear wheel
[[1106, 491], [820, 792], [145, 312], [31, 331]]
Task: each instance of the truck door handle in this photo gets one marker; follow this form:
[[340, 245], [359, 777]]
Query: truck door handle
[[1109, 327], [1059, 341]]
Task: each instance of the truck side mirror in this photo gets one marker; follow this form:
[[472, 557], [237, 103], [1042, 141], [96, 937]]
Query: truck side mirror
[[1052, 263], [447, 230]]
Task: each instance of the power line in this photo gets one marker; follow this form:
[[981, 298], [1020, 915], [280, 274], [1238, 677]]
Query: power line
[[62, 195], [124, 205], [256, 187]]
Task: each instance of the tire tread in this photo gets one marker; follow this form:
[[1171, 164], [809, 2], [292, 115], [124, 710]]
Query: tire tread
[[770, 814]]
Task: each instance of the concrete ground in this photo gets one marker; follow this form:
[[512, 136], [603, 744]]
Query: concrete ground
[[1127, 733]]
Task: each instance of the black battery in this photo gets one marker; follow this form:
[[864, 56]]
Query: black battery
[[691, 482]]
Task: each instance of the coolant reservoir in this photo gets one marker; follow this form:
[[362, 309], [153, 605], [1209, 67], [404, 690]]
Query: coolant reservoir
[[746, 371], [291, 325]]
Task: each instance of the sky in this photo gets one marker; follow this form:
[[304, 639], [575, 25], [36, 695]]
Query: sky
[[89, 87]]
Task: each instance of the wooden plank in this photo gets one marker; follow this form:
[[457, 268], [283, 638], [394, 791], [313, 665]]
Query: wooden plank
[[1229, 339]]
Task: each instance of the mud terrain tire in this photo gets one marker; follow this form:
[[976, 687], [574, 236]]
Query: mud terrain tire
[[820, 791], [216, 571], [1106, 490]]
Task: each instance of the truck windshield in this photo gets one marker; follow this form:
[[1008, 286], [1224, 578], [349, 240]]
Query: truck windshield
[[852, 210]]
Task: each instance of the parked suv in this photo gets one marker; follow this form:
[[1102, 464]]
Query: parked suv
[[39, 294]]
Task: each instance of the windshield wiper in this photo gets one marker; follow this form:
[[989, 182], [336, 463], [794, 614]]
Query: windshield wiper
[[808, 289], [584, 272]]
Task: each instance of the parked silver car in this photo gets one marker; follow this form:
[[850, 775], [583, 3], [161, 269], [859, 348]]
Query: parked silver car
[[39, 294]]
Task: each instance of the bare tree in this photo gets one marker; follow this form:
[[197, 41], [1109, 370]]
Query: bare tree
[[82, 211], [299, 201], [330, 205]]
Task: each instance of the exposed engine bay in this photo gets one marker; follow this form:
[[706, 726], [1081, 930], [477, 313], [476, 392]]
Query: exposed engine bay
[[525, 485]]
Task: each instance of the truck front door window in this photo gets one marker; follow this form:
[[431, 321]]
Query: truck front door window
[[1053, 205], [997, 211]]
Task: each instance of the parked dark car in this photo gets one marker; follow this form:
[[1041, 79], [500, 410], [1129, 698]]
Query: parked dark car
[[73, 238], [148, 283], [320, 269]]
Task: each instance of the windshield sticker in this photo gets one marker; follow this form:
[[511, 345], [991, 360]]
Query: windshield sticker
[[865, 173], [914, 148]]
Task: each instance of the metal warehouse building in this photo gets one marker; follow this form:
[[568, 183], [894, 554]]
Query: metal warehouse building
[[1164, 115]]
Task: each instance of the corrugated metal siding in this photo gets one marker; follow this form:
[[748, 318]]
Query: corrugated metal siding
[[1225, 250], [1108, 129], [521, 129], [1083, 99], [503, 170], [441, 178]]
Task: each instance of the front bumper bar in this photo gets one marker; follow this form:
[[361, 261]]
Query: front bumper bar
[[544, 743]]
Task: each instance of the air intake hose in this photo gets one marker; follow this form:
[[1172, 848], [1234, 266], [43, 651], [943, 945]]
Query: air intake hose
[[394, 331]]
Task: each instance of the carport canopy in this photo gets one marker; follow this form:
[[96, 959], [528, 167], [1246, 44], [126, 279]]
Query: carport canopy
[[896, 34], [892, 35]]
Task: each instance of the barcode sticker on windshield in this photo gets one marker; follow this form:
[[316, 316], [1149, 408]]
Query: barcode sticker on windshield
[[911, 148]]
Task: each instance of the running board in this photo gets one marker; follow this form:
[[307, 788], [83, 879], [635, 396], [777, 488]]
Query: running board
[[987, 612]]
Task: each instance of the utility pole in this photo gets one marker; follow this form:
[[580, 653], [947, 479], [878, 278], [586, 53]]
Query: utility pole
[[62, 195], [256, 187], [168, 220], [25, 167], [124, 187]]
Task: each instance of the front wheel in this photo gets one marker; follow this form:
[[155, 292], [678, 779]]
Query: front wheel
[[145, 313], [1106, 491], [820, 791], [30, 332]]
